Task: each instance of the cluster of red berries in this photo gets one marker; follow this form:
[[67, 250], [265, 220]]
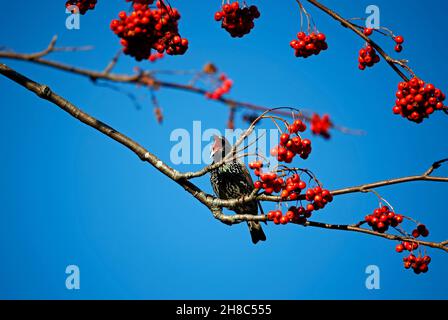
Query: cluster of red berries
[[290, 188], [399, 43], [155, 56], [270, 182], [418, 264], [382, 218], [421, 230], [83, 5], [236, 20], [224, 87], [146, 29], [307, 45], [289, 146], [406, 245], [416, 100], [318, 198], [321, 125], [367, 57], [294, 214]]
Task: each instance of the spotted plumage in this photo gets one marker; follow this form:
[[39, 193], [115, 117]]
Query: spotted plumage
[[232, 180]]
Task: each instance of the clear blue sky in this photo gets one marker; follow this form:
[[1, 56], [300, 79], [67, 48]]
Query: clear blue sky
[[71, 196]]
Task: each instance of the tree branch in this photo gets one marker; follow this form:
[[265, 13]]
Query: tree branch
[[144, 78], [214, 204]]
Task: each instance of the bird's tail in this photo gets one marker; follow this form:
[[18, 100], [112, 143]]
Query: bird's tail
[[256, 232]]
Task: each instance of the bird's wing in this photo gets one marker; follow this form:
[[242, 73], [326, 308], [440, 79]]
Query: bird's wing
[[247, 175]]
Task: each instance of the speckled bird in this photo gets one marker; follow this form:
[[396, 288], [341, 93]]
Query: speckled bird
[[232, 180]]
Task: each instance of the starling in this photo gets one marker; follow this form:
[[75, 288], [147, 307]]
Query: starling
[[232, 180]]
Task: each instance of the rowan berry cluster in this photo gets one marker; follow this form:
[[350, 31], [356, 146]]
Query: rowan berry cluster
[[321, 125], [418, 264], [317, 197], [307, 45], [291, 144], [269, 182], [294, 214], [236, 20], [146, 29], [406, 245], [382, 218], [83, 5], [416, 100], [155, 56], [290, 188], [421, 230], [367, 57], [224, 87]]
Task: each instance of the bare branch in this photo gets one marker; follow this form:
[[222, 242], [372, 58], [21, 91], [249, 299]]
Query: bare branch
[[112, 63], [437, 245], [238, 218], [147, 79]]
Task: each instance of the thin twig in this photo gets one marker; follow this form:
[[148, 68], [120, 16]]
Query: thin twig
[[146, 79]]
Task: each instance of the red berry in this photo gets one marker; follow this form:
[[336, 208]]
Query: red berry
[[284, 220], [218, 16], [284, 138], [277, 214], [398, 48], [399, 39], [368, 31], [290, 215], [415, 233]]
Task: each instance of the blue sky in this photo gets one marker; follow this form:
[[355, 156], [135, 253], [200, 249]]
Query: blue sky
[[71, 196]]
